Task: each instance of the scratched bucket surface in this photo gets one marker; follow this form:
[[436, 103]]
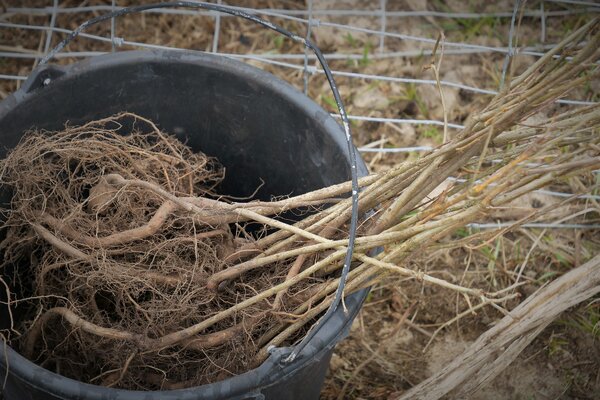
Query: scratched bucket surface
[[259, 127]]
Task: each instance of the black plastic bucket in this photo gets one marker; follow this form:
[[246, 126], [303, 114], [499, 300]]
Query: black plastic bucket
[[258, 126]]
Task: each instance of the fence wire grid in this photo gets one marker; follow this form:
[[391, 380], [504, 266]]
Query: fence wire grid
[[29, 30]]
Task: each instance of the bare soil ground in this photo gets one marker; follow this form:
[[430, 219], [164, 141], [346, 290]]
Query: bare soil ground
[[400, 336]]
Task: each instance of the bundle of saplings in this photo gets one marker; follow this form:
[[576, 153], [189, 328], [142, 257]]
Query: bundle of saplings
[[135, 272]]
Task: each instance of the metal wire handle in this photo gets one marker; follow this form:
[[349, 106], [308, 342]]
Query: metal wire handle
[[338, 100]]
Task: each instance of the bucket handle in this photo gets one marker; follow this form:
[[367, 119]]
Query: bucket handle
[[235, 11]]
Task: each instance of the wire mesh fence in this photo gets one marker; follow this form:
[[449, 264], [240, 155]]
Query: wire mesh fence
[[357, 38]]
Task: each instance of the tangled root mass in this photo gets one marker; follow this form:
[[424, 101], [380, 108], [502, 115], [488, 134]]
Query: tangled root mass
[[108, 269]]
